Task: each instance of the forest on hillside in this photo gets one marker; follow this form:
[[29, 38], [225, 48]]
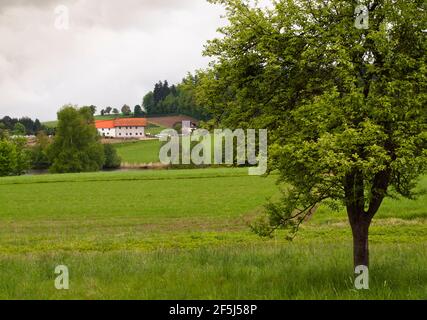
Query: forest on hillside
[[167, 99]]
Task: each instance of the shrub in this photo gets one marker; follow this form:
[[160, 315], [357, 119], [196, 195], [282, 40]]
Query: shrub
[[112, 159], [14, 157]]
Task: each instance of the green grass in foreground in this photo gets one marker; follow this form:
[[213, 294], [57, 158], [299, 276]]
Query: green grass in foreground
[[182, 234], [240, 272]]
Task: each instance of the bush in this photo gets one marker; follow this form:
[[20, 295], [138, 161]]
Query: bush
[[14, 157], [112, 159]]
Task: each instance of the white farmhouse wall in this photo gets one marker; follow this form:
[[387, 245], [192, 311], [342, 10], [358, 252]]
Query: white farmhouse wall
[[130, 132], [107, 132]]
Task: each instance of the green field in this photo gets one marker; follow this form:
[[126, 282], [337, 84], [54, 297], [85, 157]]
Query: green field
[[153, 129], [143, 152], [51, 124], [146, 151], [183, 234]]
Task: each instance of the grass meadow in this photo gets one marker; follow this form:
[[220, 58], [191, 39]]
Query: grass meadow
[[183, 234], [137, 152]]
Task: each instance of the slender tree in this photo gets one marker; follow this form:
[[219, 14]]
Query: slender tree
[[93, 109]]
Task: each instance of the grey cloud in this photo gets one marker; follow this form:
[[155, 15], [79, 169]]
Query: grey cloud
[[5, 4], [113, 53]]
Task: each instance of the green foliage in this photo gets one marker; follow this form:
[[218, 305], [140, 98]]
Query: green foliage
[[19, 129], [345, 107], [22, 126], [76, 147], [112, 159], [39, 153], [102, 225], [8, 158], [14, 156], [93, 109], [138, 112], [148, 103], [175, 99], [3, 131], [126, 110], [178, 128]]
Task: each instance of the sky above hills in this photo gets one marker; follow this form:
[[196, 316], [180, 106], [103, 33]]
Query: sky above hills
[[109, 54]]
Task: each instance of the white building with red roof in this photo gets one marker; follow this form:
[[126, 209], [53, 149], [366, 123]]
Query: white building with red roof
[[122, 128]]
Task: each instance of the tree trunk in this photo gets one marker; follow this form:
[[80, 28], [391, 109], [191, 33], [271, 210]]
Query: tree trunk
[[361, 242]]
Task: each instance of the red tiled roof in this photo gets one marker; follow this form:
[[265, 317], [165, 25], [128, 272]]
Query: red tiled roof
[[123, 122], [130, 122], [104, 124]]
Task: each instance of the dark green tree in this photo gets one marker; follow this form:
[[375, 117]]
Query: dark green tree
[[93, 109], [37, 126], [3, 131], [138, 112], [39, 152], [112, 159], [176, 99], [148, 103]]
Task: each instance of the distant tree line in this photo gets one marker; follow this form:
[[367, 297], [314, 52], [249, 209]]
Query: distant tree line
[[137, 112], [175, 99], [76, 147], [164, 100], [23, 126]]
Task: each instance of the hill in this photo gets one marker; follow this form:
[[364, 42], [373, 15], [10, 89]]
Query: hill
[[162, 121]]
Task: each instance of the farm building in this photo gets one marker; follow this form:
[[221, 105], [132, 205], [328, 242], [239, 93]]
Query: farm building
[[188, 127], [122, 128]]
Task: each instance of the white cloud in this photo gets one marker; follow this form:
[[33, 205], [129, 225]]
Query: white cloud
[[112, 54]]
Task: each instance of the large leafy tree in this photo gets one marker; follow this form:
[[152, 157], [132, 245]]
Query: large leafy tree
[[345, 106], [76, 147]]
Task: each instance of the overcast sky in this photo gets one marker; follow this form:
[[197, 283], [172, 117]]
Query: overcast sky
[[112, 53]]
